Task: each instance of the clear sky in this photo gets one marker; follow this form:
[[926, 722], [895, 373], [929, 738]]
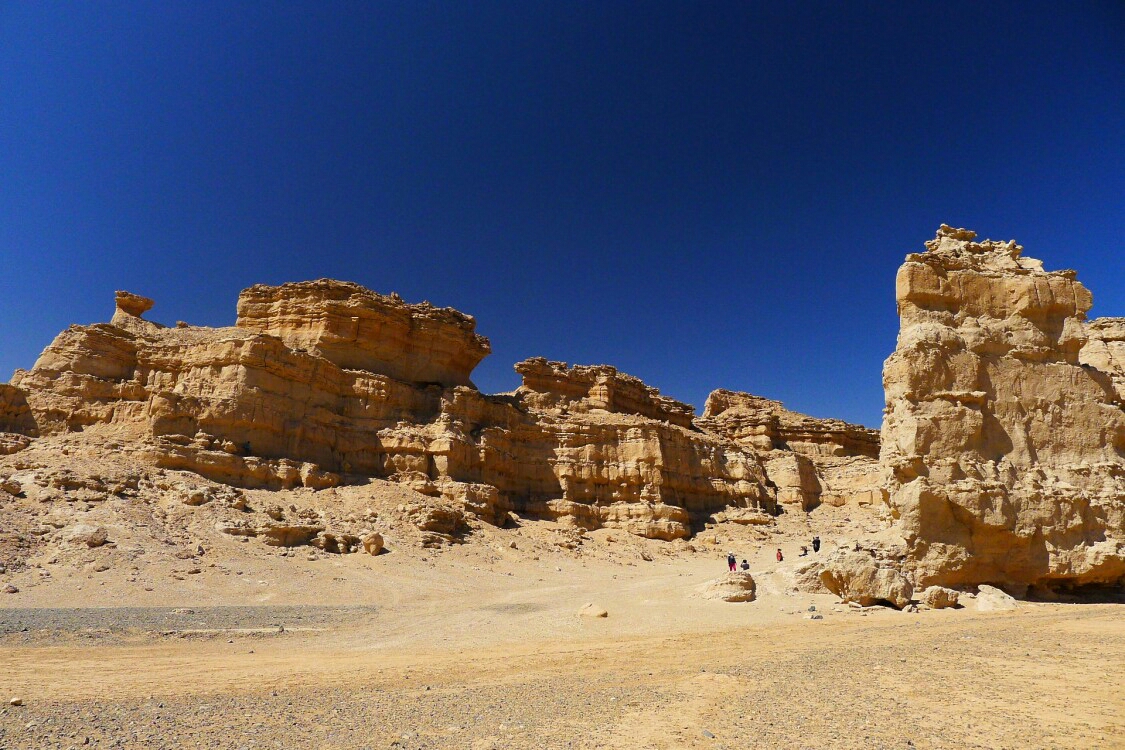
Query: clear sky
[[703, 194]]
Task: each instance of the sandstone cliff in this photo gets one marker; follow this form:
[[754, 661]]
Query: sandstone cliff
[[809, 460], [357, 329], [554, 387], [1005, 454], [1105, 351], [324, 381]]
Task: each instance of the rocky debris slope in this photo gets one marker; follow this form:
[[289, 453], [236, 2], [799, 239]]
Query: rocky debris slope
[[809, 460], [1004, 442]]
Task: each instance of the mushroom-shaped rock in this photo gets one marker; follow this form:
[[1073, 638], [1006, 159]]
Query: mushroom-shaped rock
[[133, 304]]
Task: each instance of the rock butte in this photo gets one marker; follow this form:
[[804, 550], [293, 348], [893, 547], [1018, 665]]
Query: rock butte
[[1004, 431], [1001, 458]]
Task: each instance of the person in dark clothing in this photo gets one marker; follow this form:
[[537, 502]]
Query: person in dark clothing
[[816, 544], [731, 560], [745, 565]]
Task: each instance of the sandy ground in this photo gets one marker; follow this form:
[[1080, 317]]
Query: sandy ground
[[481, 646]]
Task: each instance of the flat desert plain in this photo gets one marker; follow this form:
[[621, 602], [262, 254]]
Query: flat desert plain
[[484, 645]]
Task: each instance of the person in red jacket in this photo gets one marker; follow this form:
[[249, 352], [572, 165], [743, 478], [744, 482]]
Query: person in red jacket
[[779, 555]]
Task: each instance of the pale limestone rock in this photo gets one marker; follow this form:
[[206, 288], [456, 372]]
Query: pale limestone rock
[[766, 424], [939, 597], [288, 535], [737, 586], [85, 534], [806, 578], [865, 579], [1105, 351], [992, 599], [808, 460], [1005, 452]]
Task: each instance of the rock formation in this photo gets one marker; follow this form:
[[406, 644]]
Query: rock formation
[[321, 381], [809, 460], [1004, 433], [15, 413], [357, 329], [553, 387], [1105, 351]]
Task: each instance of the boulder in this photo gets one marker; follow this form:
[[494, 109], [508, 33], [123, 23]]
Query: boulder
[[287, 535], [373, 543], [939, 597], [992, 599], [806, 578], [737, 586], [85, 534], [862, 578]]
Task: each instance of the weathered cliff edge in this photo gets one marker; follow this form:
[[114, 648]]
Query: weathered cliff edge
[[324, 382], [1004, 429]]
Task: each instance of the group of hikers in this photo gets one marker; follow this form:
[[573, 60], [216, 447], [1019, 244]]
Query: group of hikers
[[732, 561]]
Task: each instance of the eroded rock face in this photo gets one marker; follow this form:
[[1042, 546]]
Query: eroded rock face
[[766, 424], [1105, 350], [555, 387], [808, 460], [357, 329], [276, 402], [15, 413], [1004, 443]]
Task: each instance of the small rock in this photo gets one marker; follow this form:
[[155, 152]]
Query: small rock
[[708, 734], [814, 617], [15, 702], [10, 589], [593, 610]]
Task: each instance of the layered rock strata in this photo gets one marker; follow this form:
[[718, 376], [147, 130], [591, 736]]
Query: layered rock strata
[[556, 388], [1003, 440], [809, 460], [324, 380], [357, 329]]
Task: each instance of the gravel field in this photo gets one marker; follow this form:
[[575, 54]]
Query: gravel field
[[1049, 677], [44, 624]]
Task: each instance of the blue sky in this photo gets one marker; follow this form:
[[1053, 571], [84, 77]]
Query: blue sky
[[703, 194]]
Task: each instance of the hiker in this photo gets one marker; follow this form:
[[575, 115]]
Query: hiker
[[745, 565], [804, 551], [731, 560], [779, 555], [816, 544]]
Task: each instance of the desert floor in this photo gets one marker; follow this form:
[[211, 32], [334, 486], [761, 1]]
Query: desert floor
[[482, 646]]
